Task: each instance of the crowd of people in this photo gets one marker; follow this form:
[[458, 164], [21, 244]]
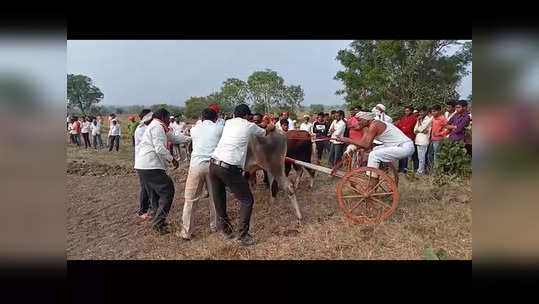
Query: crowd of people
[[218, 145]]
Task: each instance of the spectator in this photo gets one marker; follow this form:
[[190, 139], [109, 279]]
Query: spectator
[[355, 131], [459, 122], [306, 125], [320, 129], [205, 137], [85, 131], [380, 112], [284, 125], [437, 134], [422, 138], [75, 129], [131, 127], [326, 118], [114, 135], [406, 124], [450, 109], [150, 161], [285, 115], [96, 129], [337, 130], [226, 167]]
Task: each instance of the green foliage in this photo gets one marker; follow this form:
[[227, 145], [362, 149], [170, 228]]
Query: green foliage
[[233, 93], [453, 159], [81, 93], [195, 105], [174, 110], [430, 255], [402, 72]]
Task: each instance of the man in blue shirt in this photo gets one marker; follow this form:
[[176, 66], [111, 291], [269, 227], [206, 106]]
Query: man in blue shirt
[[205, 137]]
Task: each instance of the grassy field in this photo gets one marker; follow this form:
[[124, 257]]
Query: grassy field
[[434, 215]]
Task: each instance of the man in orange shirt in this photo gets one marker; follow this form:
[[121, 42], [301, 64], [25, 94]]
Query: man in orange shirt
[[437, 134]]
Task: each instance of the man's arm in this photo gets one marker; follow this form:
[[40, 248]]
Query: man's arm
[[366, 140], [177, 139], [159, 140], [461, 124]]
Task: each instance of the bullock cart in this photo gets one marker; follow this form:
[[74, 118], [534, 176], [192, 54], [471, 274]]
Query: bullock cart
[[360, 203]]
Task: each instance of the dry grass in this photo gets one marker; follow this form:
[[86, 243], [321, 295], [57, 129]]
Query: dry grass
[[102, 222]]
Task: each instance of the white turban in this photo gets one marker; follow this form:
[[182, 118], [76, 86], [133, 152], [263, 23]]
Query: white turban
[[381, 106], [365, 115], [147, 117]]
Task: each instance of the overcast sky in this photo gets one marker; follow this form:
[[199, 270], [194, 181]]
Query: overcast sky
[[146, 72]]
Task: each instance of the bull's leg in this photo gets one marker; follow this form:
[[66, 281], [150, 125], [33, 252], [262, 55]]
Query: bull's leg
[[285, 183], [299, 174], [311, 174], [272, 193]]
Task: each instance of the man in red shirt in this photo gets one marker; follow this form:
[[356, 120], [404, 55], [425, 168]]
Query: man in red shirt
[[406, 125], [355, 133]]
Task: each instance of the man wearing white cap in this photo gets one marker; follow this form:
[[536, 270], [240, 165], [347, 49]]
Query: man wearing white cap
[[380, 111], [306, 125], [395, 144]]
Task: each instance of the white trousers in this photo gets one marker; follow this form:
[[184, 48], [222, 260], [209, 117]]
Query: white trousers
[[197, 177], [390, 154]]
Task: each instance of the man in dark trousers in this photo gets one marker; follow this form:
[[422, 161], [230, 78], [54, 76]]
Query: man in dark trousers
[[150, 162], [226, 168], [320, 129]]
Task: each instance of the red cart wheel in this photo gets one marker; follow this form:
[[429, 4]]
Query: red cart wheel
[[364, 205]]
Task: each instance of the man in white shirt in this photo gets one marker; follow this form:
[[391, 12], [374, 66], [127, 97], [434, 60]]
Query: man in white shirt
[[450, 109], [306, 125], [146, 117], [205, 137], [150, 162], [74, 130], [96, 127], [291, 123], [226, 168], [337, 130], [114, 134], [85, 131]]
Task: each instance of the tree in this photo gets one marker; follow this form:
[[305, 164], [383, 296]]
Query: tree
[[195, 105], [233, 92], [81, 93], [266, 89], [293, 98], [402, 72], [317, 108]]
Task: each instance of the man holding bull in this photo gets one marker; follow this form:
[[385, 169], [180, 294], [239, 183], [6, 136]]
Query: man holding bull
[[226, 167], [395, 144]]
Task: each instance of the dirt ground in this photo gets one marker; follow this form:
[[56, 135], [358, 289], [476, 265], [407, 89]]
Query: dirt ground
[[102, 222]]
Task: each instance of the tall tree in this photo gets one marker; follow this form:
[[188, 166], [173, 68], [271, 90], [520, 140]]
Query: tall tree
[[293, 98], [233, 92], [81, 93], [399, 72], [266, 89]]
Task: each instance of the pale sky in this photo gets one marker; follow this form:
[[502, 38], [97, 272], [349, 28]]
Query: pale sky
[[146, 72]]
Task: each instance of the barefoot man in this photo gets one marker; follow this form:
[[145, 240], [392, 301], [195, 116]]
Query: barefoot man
[[395, 145]]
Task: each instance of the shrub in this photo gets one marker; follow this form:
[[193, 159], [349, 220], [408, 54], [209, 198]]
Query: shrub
[[453, 159]]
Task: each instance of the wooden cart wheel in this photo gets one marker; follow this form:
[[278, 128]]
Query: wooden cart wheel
[[363, 205]]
